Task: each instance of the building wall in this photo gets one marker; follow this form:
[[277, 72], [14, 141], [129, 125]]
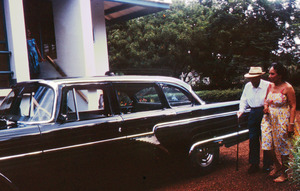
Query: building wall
[[16, 37], [74, 37], [100, 40]]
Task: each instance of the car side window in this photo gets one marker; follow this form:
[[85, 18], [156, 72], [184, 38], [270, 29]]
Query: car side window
[[85, 103], [176, 96], [137, 97], [32, 103], [148, 95]]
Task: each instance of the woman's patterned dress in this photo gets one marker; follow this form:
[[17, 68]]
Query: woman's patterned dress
[[274, 125], [33, 57]]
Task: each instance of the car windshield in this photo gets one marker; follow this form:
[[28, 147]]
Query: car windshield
[[31, 103]]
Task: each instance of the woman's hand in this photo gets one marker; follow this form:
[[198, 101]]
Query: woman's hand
[[266, 109], [290, 130]]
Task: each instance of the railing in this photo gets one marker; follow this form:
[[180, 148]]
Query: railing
[[7, 72], [63, 74], [57, 68], [5, 52]]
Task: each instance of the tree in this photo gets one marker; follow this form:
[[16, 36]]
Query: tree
[[162, 41], [219, 39]]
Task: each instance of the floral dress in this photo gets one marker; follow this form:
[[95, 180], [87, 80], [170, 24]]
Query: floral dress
[[274, 125]]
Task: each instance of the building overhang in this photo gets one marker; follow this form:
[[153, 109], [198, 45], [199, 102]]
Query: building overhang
[[123, 10]]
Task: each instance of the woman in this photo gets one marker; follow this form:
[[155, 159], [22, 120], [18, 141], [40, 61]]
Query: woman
[[34, 54], [278, 124]]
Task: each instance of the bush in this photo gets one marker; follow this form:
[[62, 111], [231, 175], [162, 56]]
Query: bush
[[210, 96], [294, 163]]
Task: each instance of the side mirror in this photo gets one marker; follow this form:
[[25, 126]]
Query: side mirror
[[62, 118]]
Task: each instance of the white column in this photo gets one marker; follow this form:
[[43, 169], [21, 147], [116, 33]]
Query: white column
[[74, 37], [16, 36], [100, 40]]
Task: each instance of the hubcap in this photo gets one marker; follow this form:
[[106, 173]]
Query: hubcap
[[204, 157]]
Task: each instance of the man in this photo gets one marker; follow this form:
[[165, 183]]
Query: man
[[253, 97]]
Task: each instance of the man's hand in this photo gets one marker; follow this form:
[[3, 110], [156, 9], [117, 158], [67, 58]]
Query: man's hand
[[239, 114]]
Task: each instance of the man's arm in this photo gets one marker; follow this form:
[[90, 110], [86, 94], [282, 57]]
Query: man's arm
[[243, 103]]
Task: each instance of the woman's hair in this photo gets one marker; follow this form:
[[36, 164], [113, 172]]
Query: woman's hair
[[280, 70]]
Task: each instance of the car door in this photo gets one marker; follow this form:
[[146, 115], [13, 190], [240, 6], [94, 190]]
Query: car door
[[185, 107], [20, 138], [85, 123], [142, 107]]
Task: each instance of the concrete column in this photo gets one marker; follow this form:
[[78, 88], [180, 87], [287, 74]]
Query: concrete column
[[16, 36], [74, 37], [100, 40]]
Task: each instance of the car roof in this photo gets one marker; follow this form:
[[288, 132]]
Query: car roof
[[124, 78]]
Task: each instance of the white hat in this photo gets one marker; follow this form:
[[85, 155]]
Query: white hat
[[254, 72]]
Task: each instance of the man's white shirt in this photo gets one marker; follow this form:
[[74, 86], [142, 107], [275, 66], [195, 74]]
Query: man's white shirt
[[253, 97]]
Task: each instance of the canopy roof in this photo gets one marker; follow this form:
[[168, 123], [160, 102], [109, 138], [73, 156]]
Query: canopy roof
[[123, 10]]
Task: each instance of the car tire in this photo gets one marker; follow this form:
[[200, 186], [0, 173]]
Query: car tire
[[203, 159]]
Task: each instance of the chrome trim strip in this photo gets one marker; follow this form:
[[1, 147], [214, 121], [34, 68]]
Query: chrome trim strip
[[74, 146], [96, 142], [140, 135], [20, 155], [81, 145], [192, 120], [217, 138]]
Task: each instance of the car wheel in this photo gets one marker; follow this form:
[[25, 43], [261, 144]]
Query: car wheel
[[6, 184], [204, 159]]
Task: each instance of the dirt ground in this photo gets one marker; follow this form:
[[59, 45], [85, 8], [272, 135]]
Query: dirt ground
[[226, 177]]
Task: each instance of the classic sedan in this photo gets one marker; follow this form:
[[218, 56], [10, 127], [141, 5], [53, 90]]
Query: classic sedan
[[46, 122]]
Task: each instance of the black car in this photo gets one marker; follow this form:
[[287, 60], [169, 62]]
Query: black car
[[45, 123]]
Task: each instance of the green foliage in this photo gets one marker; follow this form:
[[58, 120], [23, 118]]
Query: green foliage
[[294, 163], [218, 39], [210, 96]]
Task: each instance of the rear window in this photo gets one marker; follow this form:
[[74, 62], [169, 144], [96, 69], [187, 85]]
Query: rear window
[[176, 96]]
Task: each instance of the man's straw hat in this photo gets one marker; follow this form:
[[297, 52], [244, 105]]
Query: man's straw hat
[[254, 72]]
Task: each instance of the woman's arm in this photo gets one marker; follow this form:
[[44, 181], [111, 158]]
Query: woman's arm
[[39, 53], [266, 105], [291, 96]]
